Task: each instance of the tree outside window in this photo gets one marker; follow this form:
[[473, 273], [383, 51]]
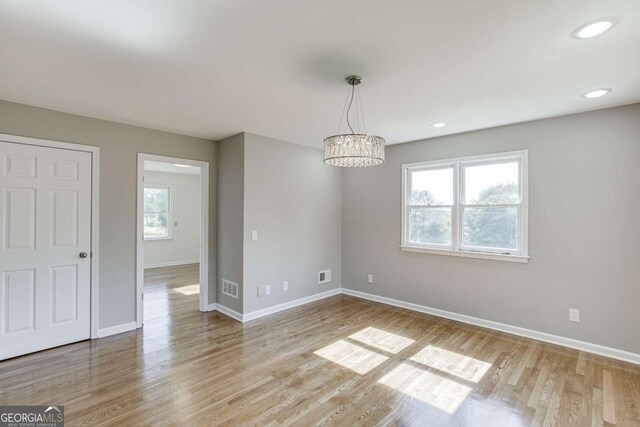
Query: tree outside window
[[157, 212], [472, 204]]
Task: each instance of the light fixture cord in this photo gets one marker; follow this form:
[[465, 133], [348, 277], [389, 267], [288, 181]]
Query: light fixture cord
[[359, 102], [357, 109], [344, 108], [353, 89]]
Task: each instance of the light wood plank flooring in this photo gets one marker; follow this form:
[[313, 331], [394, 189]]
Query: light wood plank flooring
[[340, 361]]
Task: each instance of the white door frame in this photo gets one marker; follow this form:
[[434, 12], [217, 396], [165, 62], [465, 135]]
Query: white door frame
[[95, 209], [204, 229]]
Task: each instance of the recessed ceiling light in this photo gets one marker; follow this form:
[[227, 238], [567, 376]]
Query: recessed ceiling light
[[181, 166], [597, 93], [438, 125], [593, 29]]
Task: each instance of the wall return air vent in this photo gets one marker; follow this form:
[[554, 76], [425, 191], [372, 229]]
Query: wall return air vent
[[324, 276], [230, 288]]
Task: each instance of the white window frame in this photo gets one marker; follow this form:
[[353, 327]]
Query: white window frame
[[457, 248], [170, 213]]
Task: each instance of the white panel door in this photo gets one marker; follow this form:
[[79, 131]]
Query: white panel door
[[45, 239]]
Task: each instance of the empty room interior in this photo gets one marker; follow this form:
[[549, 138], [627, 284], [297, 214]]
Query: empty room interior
[[341, 213]]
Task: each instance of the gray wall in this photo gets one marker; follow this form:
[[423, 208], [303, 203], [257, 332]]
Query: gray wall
[[119, 145], [184, 245], [584, 232], [293, 200], [230, 217]]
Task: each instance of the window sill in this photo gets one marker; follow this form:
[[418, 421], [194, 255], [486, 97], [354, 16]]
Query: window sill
[[157, 239], [467, 254]]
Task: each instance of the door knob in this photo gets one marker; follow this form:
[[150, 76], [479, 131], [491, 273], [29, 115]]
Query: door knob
[[83, 254]]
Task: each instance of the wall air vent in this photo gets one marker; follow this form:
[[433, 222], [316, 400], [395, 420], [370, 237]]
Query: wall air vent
[[324, 276], [230, 288]]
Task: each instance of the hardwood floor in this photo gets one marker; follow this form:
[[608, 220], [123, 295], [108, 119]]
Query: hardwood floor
[[340, 361]]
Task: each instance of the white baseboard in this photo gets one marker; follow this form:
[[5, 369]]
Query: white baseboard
[[291, 304], [601, 350], [228, 312], [276, 308], [210, 307], [172, 263], [613, 353], [118, 329]]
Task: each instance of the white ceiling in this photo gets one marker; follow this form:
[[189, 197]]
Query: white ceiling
[[276, 68], [152, 166]]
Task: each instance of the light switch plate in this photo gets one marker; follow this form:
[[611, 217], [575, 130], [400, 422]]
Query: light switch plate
[[260, 293], [267, 290], [254, 235], [285, 286], [370, 278]]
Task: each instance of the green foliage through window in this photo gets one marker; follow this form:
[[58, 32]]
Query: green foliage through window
[[492, 226], [156, 212], [476, 201]]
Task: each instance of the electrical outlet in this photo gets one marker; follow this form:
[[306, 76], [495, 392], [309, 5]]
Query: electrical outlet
[[267, 290], [254, 235], [285, 286], [370, 278], [574, 315], [260, 293]]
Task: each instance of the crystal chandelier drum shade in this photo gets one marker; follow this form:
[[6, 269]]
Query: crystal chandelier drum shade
[[354, 150]]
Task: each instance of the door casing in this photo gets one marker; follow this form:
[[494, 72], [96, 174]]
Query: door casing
[[204, 230]]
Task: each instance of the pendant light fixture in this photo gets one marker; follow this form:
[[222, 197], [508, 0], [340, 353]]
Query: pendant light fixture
[[354, 150]]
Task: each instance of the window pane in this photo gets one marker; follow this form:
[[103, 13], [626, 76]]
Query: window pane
[[432, 187], [491, 227], [156, 199], [156, 225], [491, 184], [156, 212], [430, 225]]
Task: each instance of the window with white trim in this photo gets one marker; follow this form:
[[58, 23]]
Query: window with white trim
[[467, 206], [157, 212]]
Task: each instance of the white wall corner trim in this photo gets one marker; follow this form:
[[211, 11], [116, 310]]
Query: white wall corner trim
[[118, 329], [228, 312], [613, 353], [211, 307], [172, 264], [291, 304]]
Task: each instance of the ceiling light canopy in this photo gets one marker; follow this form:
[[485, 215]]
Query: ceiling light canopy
[[593, 29], [597, 93], [438, 125], [354, 149]]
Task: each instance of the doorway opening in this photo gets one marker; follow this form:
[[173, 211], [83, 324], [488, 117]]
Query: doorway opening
[[172, 236]]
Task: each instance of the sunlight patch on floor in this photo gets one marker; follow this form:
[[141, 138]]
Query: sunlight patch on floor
[[351, 356], [452, 363], [429, 387], [187, 290], [382, 340]]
